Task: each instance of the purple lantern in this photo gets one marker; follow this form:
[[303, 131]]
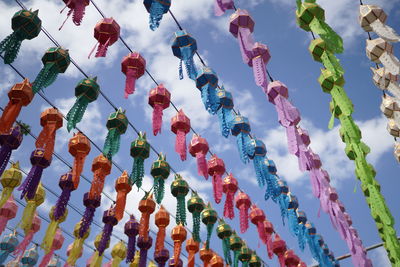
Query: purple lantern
[[67, 186], [131, 229], [161, 257], [9, 141]]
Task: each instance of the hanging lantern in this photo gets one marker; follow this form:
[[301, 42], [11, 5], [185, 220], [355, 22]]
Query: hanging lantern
[[19, 95], [301, 229], [230, 187], [198, 148], [260, 56], [178, 235], [133, 66], [56, 60], [117, 124], [279, 249], [255, 261], [206, 255], [76, 9], [131, 229], [173, 263], [283, 198], [161, 221], [180, 125], [207, 83], [26, 25], [241, 26], [140, 150], [225, 113], [86, 92], [192, 247], [90, 203], [159, 99], [146, 207], [144, 244], [184, 47], [9, 141], [35, 227], [389, 106], [257, 152], [51, 232], [216, 261], [58, 241], [156, 8], [69, 249], [10, 179], [291, 259], [241, 129], [216, 168], [60, 209], [79, 148], [209, 217], [257, 217], [195, 206], [109, 220], [123, 188], [118, 253], [321, 53], [101, 167], [179, 189], [7, 246], [243, 203], [30, 257], [235, 244], [96, 259], [161, 257], [30, 208], [224, 232], [106, 32], [268, 230], [160, 170], [220, 6], [77, 245], [293, 204], [245, 255]]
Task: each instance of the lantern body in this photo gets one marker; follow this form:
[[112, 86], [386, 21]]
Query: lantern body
[[57, 56], [216, 261], [51, 116], [21, 92], [160, 168], [369, 14], [260, 50], [207, 83], [160, 96], [106, 32], [161, 256], [156, 8], [198, 144], [26, 23], [79, 144], [307, 13], [88, 89], [183, 39], [240, 19], [118, 121], [101, 162], [240, 125], [133, 61], [180, 122]]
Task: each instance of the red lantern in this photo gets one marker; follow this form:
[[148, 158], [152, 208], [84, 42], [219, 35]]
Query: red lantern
[[291, 259], [216, 261], [133, 66], [159, 99], [122, 187], [269, 230], [243, 203], [7, 212], [76, 9], [279, 249], [216, 168], [180, 125], [198, 148], [106, 33], [192, 247], [257, 217], [230, 186], [146, 207]]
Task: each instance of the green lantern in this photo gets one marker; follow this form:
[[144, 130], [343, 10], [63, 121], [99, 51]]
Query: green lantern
[[140, 150], [56, 60], [195, 206], [160, 170], [86, 91], [26, 25], [224, 232], [320, 52], [209, 217], [117, 124], [245, 255], [236, 244], [179, 189], [255, 261]]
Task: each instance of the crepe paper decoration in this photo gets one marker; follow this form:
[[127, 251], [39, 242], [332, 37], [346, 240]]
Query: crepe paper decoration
[[192, 247], [282, 198], [243, 204], [156, 10], [51, 120], [301, 227], [77, 245], [292, 206], [160, 171], [245, 255], [180, 125], [311, 17], [118, 254], [216, 168], [106, 32], [7, 246], [96, 259], [198, 147], [9, 141], [291, 259], [56, 60], [26, 25], [161, 257], [79, 148], [255, 261], [373, 19], [146, 207], [51, 232], [257, 217], [235, 243], [220, 6], [35, 227], [144, 244], [159, 99], [321, 53], [173, 263], [54, 262], [30, 257], [10, 179], [133, 66], [135, 262], [86, 92], [76, 9], [66, 184], [140, 150], [161, 221], [260, 58], [91, 203], [184, 47], [225, 112], [31, 205], [207, 83], [241, 26], [206, 255], [209, 217], [240, 128], [195, 205], [19, 95], [230, 187], [179, 189], [386, 81], [178, 235], [216, 261], [101, 167], [279, 249], [58, 241], [69, 249], [117, 123], [131, 229], [224, 232], [257, 152], [123, 188]]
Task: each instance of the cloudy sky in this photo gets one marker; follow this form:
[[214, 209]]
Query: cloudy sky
[[290, 63]]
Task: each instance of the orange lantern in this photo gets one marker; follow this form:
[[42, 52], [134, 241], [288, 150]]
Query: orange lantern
[[192, 247], [122, 187], [51, 120], [216, 261], [101, 167], [206, 255], [178, 235], [162, 221], [146, 207], [79, 148]]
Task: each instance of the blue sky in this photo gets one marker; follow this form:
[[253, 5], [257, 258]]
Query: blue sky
[[290, 63]]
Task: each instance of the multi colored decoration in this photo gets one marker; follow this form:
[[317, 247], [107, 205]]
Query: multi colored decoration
[[79, 148], [195, 205], [180, 125], [77, 245], [117, 123], [207, 83], [140, 150], [7, 246], [106, 32], [224, 232], [209, 217], [198, 148], [225, 111], [131, 229], [30, 257], [230, 187], [109, 220], [235, 244], [178, 235], [10, 179], [118, 253], [192, 247], [35, 227], [257, 217], [160, 170], [26, 25], [179, 189], [243, 204], [58, 241], [257, 151], [216, 168], [31, 205], [76, 9], [184, 47], [123, 188], [146, 207], [86, 92], [156, 9], [133, 66], [96, 259], [241, 129], [144, 244], [159, 99], [51, 232], [161, 221]]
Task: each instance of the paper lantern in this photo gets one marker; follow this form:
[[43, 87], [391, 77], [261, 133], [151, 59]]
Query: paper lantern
[[123, 188], [144, 244], [156, 8], [161, 221], [293, 204], [241, 129], [30, 208], [283, 197], [10, 179], [243, 204], [224, 232], [179, 189], [216, 261], [146, 207], [260, 58], [86, 92], [257, 152], [301, 232], [209, 217], [241, 26], [192, 247], [220, 6], [178, 235], [96, 259], [257, 217], [245, 255], [230, 187], [206, 255], [159, 99], [7, 246], [321, 53], [198, 148], [140, 150], [389, 106], [160, 170], [207, 83], [195, 206], [279, 249], [79, 148], [235, 244], [76, 9], [180, 125], [106, 32], [30, 257], [216, 168], [51, 231], [66, 184], [101, 167], [117, 123], [58, 241], [131, 229], [35, 227], [90, 203], [225, 112], [26, 25], [77, 246], [268, 231], [118, 253], [184, 47], [9, 141], [109, 220], [133, 66], [161, 257], [51, 120]]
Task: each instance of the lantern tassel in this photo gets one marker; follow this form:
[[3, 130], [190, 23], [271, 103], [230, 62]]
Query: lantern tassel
[[281, 258], [137, 174], [46, 76], [31, 182], [293, 225], [157, 119], [156, 14], [46, 140], [242, 141], [79, 161], [235, 258], [210, 228], [302, 237], [78, 13], [9, 116], [160, 237], [202, 165], [180, 145], [210, 99], [259, 167], [75, 251], [244, 219], [102, 49], [187, 57], [191, 258], [62, 203], [177, 251], [68, 15], [228, 207], [260, 73], [196, 226], [333, 41], [225, 117], [46, 258], [130, 82], [181, 210], [49, 236], [105, 238], [143, 257], [217, 187], [28, 215], [111, 145], [282, 201], [10, 45], [96, 260], [246, 44], [131, 249], [159, 189], [86, 220], [226, 249], [91, 51], [120, 205], [20, 249], [76, 113], [5, 195]]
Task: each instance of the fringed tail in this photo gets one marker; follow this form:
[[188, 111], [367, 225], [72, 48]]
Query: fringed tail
[[180, 145]]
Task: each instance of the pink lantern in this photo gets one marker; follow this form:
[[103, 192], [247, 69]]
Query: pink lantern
[[35, 227], [198, 148], [159, 99], [243, 203], [106, 33], [76, 9], [216, 168], [58, 242], [180, 125], [230, 187], [7, 212], [133, 66], [242, 26]]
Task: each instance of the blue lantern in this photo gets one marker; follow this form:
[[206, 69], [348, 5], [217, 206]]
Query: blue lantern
[[301, 234], [293, 204], [30, 257], [241, 129], [156, 8], [184, 47], [7, 246], [312, 241], [282, 198], [256, 151], [207, 83], [225, 113]]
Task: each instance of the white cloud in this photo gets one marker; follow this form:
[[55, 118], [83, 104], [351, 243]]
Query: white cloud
[[379, 257], [9, 78]]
